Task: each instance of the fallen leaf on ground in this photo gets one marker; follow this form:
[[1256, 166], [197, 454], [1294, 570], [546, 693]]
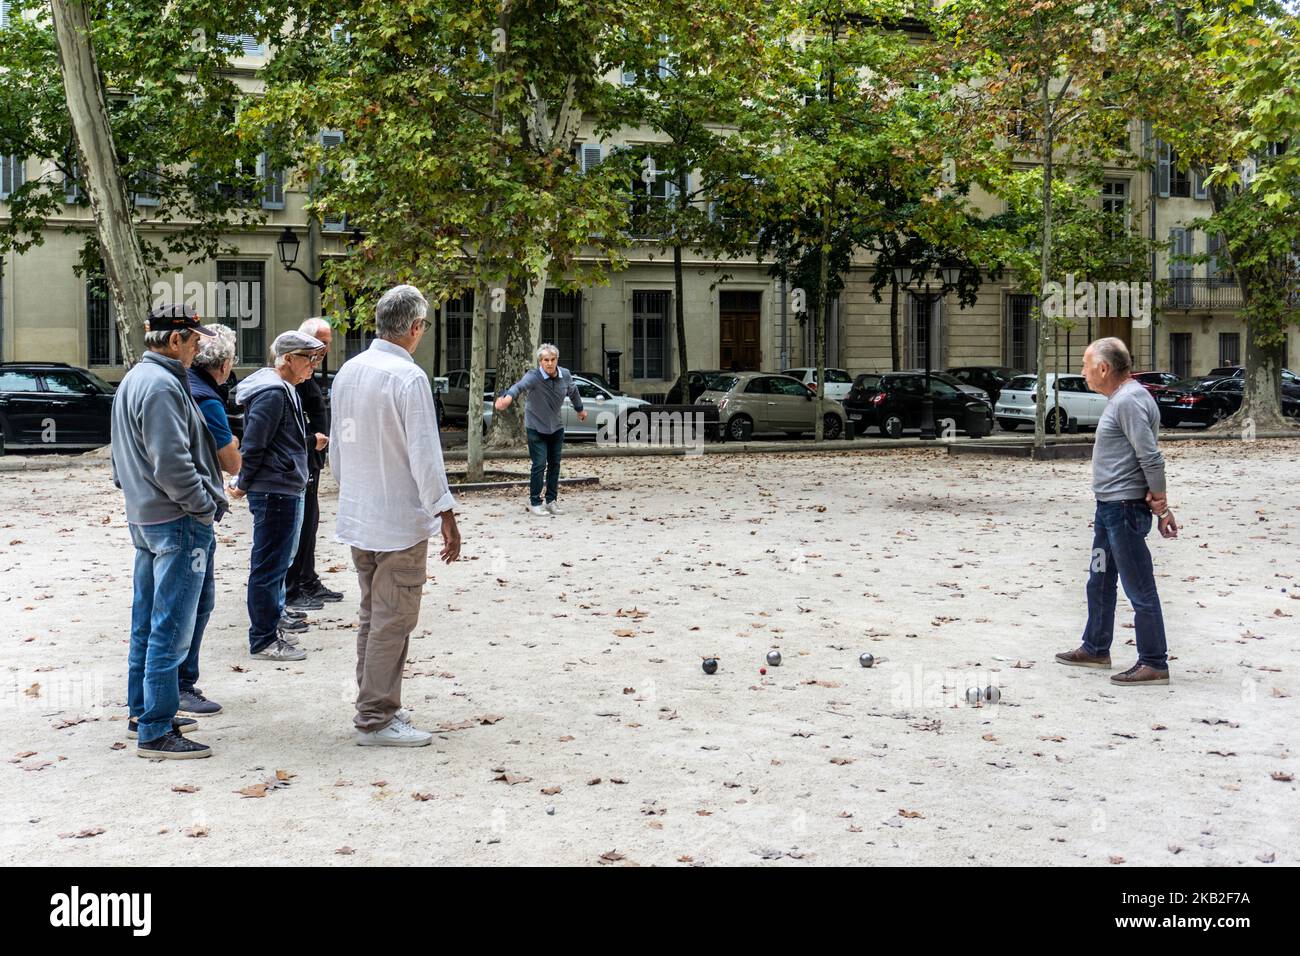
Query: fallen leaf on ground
[[910, 814], [422, 797], [256, 790], [551, 791], [841, 761], [284, 775], [612, 856], [185, 788], [1117, 859], [195, 831], [512, 778], [1281, 777], [82, 834], [593, 781], [33, 691], [345, 851], [624, 632]]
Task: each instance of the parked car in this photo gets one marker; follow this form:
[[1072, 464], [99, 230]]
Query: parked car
[[1017, 404], [1290, 381], [838, 381], [952, 380], [598, 379], [1206, 400], [596, 402], [455, 402], [690, 386], [1155, 382], [894, 404], [52, 404], [753, 403], [989, 378]]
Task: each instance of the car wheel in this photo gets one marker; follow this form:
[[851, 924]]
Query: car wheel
[[1049, 422], [1218, 414], [1169, 421], [1008, 424], [740, 427], [832, 427], [891, 426]]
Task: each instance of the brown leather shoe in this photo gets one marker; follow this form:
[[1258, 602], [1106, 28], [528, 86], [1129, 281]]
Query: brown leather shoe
[[1141, 674], [1080, 658]]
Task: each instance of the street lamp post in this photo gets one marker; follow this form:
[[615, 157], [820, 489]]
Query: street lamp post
[[286, 248], [948, 276]]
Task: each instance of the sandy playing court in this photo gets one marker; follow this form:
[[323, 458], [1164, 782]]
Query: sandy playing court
[[562, 660]]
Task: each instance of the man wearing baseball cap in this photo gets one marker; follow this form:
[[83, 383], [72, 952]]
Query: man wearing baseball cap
[[273, 475], [165, 462]]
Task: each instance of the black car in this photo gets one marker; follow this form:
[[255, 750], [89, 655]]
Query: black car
[[52, 404], [1290, 381], [991, 378], [894, 403], [1206, 400], [690, 386]]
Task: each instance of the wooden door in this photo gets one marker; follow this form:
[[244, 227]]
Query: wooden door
[[739, 316]]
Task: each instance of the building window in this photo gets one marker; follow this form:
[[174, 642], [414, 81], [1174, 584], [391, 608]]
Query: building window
[[1229, 348], [1114, 203], [101, 323], [12, 175], [1169, 180], [356, 340], [1020, 351], [649, 334], [562, 325], [922, 335], [1180, 354], [459, 316], [241, 305]]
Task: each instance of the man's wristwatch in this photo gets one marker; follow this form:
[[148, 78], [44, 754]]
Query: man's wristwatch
[[1165, 514]]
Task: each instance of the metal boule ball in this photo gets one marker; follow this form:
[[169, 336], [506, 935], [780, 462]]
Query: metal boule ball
[[774, 658], [550, 811], [866, 660], [710, 665], [992, 694], [974, 695]]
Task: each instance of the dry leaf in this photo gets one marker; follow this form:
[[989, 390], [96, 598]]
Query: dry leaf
[[989, 737], [345, 851], [566, 738], [1117, 860], [422, 797], [28, 753], [256, 790], [512, 778], [910, 814], [552, 791], [624, 632], [118, 746], [378, 783], [185, 788], [195, 831], [284, 775], [33, 691], [82, 834], [612, 856], [593, 781], [686, 859], [1281, 777], [841, 761], [488, 719]]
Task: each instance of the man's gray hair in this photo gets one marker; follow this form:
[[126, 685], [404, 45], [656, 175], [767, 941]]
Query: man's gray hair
[[1114, 353], [316, 324], [216, 351], [160, 338], [397, 310], [546, 348]]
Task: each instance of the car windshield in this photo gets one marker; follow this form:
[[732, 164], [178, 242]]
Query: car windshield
[[836, 376], [1024, 383], [1188, 384], [867, 381], [721, 383], [100, 382]]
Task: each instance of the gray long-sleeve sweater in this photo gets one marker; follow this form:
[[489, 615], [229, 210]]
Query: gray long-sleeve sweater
[[164, 459], [1126, 463], [544, 411]]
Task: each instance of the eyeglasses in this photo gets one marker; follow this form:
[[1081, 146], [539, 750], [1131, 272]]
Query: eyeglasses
[[421, 325], [313, 359]]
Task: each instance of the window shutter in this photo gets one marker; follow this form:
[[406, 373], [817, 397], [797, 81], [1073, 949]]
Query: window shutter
[[1198, 185], [592, 154], [4, 14], [629, 77], [331, 138], [1162, 168], [1212, 241], [11, 175], [272, 184], [71, 188]]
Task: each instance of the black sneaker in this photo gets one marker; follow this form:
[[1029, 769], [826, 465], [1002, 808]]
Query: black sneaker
[[321, 593], [294, 612], [292, 624], [303, 602], [181, 725], [172, 746], [195, 704]]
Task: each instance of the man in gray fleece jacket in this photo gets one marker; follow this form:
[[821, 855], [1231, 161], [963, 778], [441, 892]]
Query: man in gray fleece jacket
[[1128, 481], [165, 462]]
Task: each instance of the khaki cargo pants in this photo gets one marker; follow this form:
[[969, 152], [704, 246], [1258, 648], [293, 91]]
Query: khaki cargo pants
[[392, 583]]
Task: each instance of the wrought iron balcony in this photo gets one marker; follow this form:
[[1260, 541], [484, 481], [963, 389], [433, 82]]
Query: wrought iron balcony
[[1221, 294]]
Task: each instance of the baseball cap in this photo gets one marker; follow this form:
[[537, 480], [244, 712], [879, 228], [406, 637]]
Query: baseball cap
[[295, 341], [175, 318]]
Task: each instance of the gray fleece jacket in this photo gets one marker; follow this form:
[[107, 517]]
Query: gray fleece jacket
[[164, 459]]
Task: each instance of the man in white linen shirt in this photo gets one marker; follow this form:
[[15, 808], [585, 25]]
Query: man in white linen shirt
[[386, 455]]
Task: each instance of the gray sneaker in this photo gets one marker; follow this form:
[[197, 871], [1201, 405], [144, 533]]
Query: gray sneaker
[[396, 734], [193, 702], [553, 508], [539, 511], [289, 637], [279, 650]]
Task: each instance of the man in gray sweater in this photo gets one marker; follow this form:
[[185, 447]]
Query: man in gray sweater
[[547, 386], [165, 462], [1128, 480]]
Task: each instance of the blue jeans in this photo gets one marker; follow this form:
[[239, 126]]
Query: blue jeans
[[173, 560], [189, 670], [1119, 553], [277, 519], [544, 450]]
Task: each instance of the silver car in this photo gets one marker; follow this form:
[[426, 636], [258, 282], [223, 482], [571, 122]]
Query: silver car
[[596, 402], [751, 403]]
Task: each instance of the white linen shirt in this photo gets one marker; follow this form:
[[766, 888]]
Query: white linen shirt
[[385, 451]]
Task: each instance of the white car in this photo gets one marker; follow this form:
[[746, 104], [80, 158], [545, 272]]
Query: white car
[[838, 382], [1017, 406]]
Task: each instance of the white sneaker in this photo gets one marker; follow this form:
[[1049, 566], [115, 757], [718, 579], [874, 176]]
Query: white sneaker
[[397, 734], [553, 508], [403, 715], [539, 511]]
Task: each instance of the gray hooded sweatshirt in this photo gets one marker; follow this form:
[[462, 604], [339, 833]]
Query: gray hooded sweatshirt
[[274, 448], [164, 459]]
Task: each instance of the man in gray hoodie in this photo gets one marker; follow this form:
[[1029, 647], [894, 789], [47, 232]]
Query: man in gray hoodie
[[165, 462]]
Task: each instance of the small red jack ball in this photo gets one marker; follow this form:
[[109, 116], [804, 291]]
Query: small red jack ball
[[762, 670]]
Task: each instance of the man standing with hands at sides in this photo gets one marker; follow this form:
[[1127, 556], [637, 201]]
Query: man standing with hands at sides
[[165, 462], [304, 590], [386, 454], [1128, 480], [546, 386]]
